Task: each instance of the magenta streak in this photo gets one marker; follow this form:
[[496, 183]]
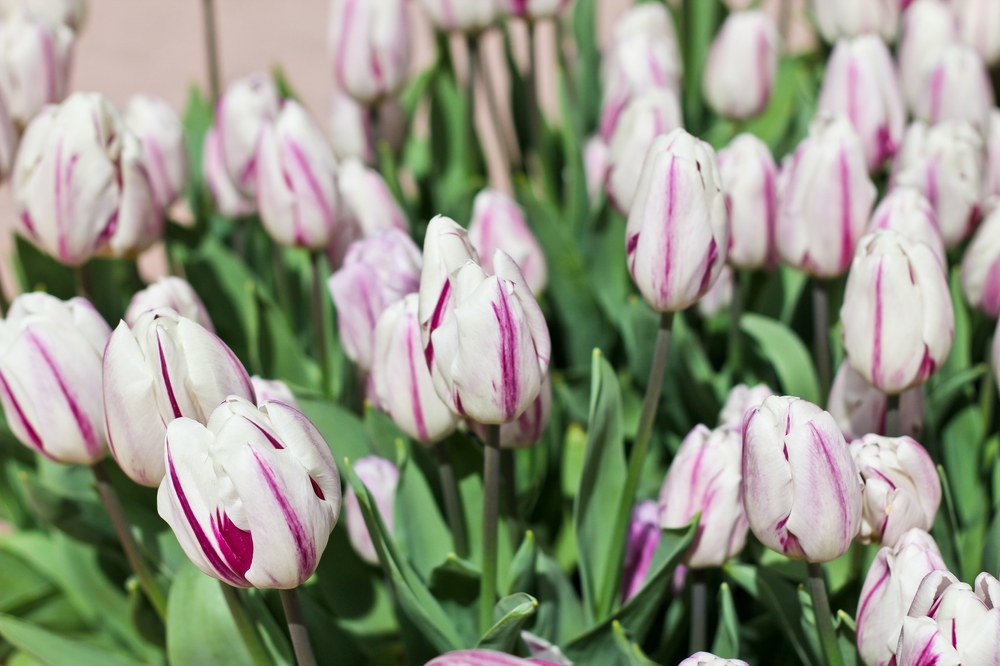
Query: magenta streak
[[867, 599], [713, 254], [158, 163], [668, 223], [345, 26], [303, 543], [510, 389], [852, 92], [235, 545], [28, 224], [846, 233], [36, 441], [303, 163], [49, 67], [833, 476], [656, 72], [418, 412], [436, 321], [519, 7], [82, 420], [927, 365], [60, 223], [316, 489], [877, 333], [932, 185], [954, 634], [925, 658], [274, 442], [770, 212], [609, 120], [883, 477], [937, 82], [166, 379]]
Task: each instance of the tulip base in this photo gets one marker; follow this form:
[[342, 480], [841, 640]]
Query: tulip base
[[491, 507], [699, 611], [821, 335], [297, 628], [824, 620], [452, 503]]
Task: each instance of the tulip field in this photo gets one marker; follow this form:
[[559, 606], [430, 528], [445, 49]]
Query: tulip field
[[573, 332]]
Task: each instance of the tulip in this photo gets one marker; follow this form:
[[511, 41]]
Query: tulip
[[273, 390], [499, 223], [945, 162], [140, 221], [527, 429], [401, 378], [742, 399], [377, 272], [491, 353], [350, 129], [484, 658], [993, 155], [825, 199], [801, 490], [370, 47], [169, 292], [652, 20], [164, 152], [979, 22], [366, 199], [596, 162], [543, 651], [537, 9], [70, 13], [956, 87], [50, 376], [928, 27], [446, 249], [906, 211], [850, 18], [471, 16], [709, 659], [719, 296], [888, 591], [677, 232], [381, 478], [859, 408], [165, 367], [253, 496], [246, 107], [742, 65], [861, 83], [35, 61], [981, 266], [228, 200], [749, 177], [640, 546]]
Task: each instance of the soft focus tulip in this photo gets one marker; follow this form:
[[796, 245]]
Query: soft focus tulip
[[228, 200], [720, 296], [528, 428], [902, 490], [749, 180], [979, 22], [596, 161], [35, 58], [253, 496], [381, 478], [705, 477], [470, 16], [165, 367], [139, 222], [850, 18], [859, 408], [928, 27], [742, 399], [956, 87], [498, 222], [992, 155], [951, 623], [945, 162], [640, 546], [742, 65], [537, 9], [401, 378], [981, 266], [366, 199], [8, 142], [377, 272], [484, 658], [169, 292], [350, 129], [164, 152], [709, 659], [897, 315], [825, 199], [801, 490], [446, 249], [647, 116], [247, 105], [907, 211], [491, 353], [71, 13], [273, 390], [888, 591], [50, 376], [544, 652], [369, 43], [861, 83], [678, 231]]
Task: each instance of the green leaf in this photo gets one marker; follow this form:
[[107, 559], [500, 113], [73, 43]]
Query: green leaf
[[522, 566], [560, 614], [727, 635], [282, 355], [786, 352], [20, 585], [53, 649], [343, 431], [574, 453], [510, 614], [588, 68], [961, 440], [630, 654], [418, 521]]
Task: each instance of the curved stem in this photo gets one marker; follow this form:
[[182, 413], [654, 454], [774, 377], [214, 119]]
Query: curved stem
[[824, 621], [297, 628], [491, 506]]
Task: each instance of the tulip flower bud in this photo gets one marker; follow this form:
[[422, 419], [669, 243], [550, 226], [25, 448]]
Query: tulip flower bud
[[719, 296], [165, 367], [859, 408], [350, 129], [253, 496], [366, 201], [247, 105], [801, 490], [377, 272], [749, 176], [527, 429], [596, 162], [888, 591], [981, 267], [850, 18], [825, 200], [369, 47], [499, 223], [709, 659], [979, 23], [484, 658], [169, 292], [228, 200], [469, 16], [164, 152], [35, 61], [897, 315], [678, 232], [742, 399], [992, 155], [140, 221], [705, 477], [906, 211], [381, 478], [537, 9], [652, 20], [742, 65], [491, 354], [273, 390], [928, 27], [50, 376], [862, 84], [956, 87], [643, 538], [71, 13], [446, 249], [945, 162]]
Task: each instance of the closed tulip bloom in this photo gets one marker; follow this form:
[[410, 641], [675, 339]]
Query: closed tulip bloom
[[801, 490], [537, 9], [979, 22], [377, 272], [273, 390], [653, 20], [859, 408], [861, 83], [381, 478], [928, 27], [850, 18], [169, 292], [50, 376], [992, 155], [742, 65], [35, 59], [981, 266], [907, 211], [705, 477], [469, 16], [366, 200], [228, 200], [640, 546], [742, 399], [253, 495], [498, 222], [527, 429], [956, 87], [484, 658], [246, 107], [446, 249], [888, 591], [165, 367], [709, 659], [825, 199], [140, 221], [491, 354], [749, 182], [678, 231], [596, 162], [161, 135], [350, 129], [369, 45], [945, 162]]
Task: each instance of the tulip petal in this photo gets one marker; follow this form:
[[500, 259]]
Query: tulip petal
[[921, 644]]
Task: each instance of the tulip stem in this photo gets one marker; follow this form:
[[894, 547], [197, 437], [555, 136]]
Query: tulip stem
[[491, 506], [211, 48], [113, 504], [452, 503], [741, 284], [297, 628], [892, 416], [245, 626], [824, 621], [699, 611], [82, 281], [821, 335], [319, 330]]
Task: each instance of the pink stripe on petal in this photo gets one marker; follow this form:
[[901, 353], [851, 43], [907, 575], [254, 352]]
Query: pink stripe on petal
[[83, 423], [303, 541], [36, 441]]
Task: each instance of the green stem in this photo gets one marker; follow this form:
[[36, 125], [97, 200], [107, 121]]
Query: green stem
[[821, 335], [211, 49], [245, 627], [699, 611], [297, 628], [319, 329], [735, 334], [452, 501], [491, 506], [892, 416], [82, 281], [824, 621]]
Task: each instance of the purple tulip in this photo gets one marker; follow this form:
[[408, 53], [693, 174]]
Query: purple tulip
[[956, 87], [381, 478], [164, 151], [247, 105], [850, 18], [742, 65], [50, 376], [749, 182], [643, 538], [253, 496], [446, 249], [366, 199], [907, 211], [369, 42], [709, 659], [527, 429], [35, 59], [742, 399], [499, 223], [981, 266], [928, 27], [859, 408], [273, 390], [169, 292], [484, 658]]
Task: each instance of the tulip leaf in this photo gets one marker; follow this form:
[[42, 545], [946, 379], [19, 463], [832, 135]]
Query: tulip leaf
[[629, 653], [522, 566], [961, 441], [727, 635], [343, 431], [560, 614], [282, 355], [991, 549], [56, 650], [419, 524], [509, 615], [588, 83], [786, 352]]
